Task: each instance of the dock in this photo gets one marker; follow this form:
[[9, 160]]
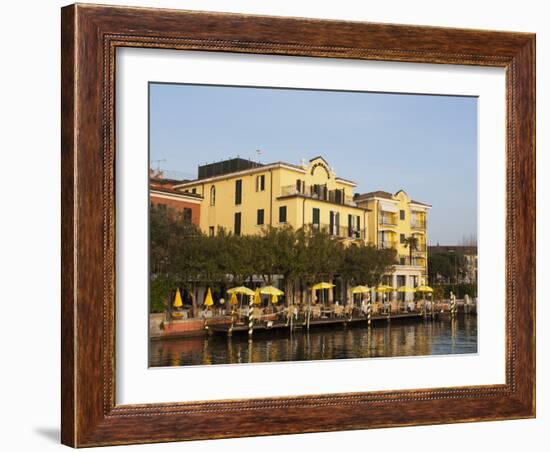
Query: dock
[[301, 323]]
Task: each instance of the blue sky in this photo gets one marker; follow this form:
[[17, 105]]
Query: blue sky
[[425, 145]]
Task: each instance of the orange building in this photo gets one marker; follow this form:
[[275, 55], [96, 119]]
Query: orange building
[[162, 193]]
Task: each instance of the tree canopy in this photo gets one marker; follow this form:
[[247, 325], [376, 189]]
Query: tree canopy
[[182, 255]]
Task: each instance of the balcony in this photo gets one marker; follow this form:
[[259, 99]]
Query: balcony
[[420, 247], [387, 244], [387, 219], [417, 261], [418, 223], [342, 232], [319, 192]]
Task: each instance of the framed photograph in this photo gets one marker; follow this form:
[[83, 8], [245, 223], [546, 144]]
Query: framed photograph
[[281, 225]]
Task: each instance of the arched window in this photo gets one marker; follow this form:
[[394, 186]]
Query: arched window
[[213, 195]]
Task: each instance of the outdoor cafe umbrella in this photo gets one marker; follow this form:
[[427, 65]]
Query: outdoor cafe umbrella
[[178, 302], [233, 299], [321, 286], [273, 291], [209, 301], [384, 289], [257, 298], [360, 289], [406, 289], [241, 290], [424, 290]]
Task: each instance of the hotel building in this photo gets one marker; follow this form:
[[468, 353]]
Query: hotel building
[[392, 221], [244, 196]]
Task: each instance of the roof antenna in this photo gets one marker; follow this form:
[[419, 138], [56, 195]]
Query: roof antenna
[[258, 153]]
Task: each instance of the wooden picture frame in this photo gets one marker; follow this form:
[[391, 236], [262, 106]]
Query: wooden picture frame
[[90, 36]]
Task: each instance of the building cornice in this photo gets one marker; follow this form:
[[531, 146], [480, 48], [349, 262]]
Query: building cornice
[[180, 197]]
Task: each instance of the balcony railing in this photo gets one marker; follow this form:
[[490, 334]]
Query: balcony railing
[[319, 192], [387, 244], [387, 220], [418, 224], [339, 231], [416, 261]]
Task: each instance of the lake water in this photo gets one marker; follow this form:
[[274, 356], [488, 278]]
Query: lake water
[[398, 338]]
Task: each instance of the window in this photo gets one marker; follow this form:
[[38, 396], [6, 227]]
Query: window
[[316, 216], [299, 186], [237, 224], [211, 231], [238, 191], [260, 182], [339, 196], [334, 223], [187, 215], [282, 214], [213, 195], [401, 214], [402, 260], [260, 217], [354, 226], [194, 190], [401, 238]]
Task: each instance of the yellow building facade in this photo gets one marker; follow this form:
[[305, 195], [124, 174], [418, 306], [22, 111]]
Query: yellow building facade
[[245, 201], [398, 222], [244, 197]]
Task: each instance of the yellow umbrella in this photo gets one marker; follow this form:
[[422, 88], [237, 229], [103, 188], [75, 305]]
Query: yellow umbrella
[[323, 285], [406, 289], [274, 299], [208, 301], [233, 299], [241, 290], [178, 302], [424, 289], [270, 290], [257, 299], [384, 288], [360, 289]]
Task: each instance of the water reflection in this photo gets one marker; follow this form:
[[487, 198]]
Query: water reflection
[[439, 337]]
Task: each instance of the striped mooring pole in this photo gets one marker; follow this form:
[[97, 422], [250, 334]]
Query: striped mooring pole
[[369, 314], [453, 304], [250, 318]]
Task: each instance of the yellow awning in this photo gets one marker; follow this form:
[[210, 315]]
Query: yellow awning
[[178, 302]]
